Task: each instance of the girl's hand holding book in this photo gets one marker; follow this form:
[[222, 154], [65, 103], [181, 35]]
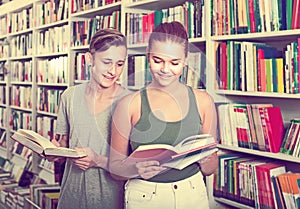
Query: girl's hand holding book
[[209, 164], [149, 169]]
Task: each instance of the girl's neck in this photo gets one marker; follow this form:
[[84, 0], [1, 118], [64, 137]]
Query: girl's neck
[[173, 88]]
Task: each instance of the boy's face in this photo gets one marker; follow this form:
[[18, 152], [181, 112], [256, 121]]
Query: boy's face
[[108, 65]]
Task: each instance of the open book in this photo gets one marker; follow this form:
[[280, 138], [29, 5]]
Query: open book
[[188, 151], [42, 145]]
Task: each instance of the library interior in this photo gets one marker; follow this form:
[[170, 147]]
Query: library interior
[[244, 53]]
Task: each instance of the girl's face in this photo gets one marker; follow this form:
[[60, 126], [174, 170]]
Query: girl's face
[[166, 60], [108, 66]]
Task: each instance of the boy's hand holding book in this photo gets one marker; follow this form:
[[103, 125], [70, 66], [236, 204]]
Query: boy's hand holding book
[[92, 159], [55, 158]]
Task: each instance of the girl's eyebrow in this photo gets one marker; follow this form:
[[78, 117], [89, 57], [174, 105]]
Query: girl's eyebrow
[[175, 59]]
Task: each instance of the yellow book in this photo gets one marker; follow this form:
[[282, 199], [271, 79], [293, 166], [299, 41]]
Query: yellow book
[[280, 69]]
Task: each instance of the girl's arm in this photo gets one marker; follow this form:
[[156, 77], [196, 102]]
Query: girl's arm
[[207, 110], [119, 150]]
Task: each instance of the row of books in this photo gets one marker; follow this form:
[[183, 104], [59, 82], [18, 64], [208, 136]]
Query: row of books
[[21, 71], [251, 16], [291, 141], [17, 21], [48, 99], [19, 119], [139, 26], [84, 5], [52, 70], [194, 74], [258, 183], [21, 96], [3, 143], [18, 182], [4, 48], [46, 126], [45, 195], [83, 30], [21, 45], [3, 27], [291, 66], [252, 126], [82, 69], [51, 11], [250, 66], [138, 71], [52, 40], [11, 193], [3, 112], [43, 162], [46, 12], [20, 150], [239, 66], [2, 94]]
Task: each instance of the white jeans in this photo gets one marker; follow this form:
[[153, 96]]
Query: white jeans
[[189, 193]]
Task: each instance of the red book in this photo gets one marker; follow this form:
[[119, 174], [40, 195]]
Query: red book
[[150, 22], [145, 28], [261, 71], [275, 127], [298, 58], [251, 16], [271, 170], [82, 75], [223, 67], [295, 14], [264, 172]]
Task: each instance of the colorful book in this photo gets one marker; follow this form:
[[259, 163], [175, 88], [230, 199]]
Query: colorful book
[[188, 151]]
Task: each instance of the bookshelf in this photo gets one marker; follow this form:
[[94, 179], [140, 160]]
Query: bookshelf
[[275, 35], [57, 40]]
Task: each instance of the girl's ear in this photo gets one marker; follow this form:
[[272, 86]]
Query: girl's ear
[[147, 53], [186, 59], [89, 58]]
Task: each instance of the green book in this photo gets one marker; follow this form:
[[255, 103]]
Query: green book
[[269, 73], [289, 11], [158, 16]]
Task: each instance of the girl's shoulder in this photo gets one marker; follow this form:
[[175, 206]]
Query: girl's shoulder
[[200, 92], [202, 95]]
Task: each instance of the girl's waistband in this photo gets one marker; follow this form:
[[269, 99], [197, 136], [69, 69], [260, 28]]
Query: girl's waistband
[[175, 185]]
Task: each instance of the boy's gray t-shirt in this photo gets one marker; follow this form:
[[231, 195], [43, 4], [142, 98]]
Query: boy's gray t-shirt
[[93, 188]]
